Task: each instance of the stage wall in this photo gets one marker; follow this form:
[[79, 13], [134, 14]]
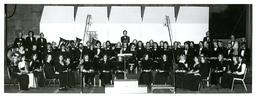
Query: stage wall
[[191, 23]]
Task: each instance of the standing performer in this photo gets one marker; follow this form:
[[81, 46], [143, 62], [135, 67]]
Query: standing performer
[[30, 41], [125, 38], [20, 41]]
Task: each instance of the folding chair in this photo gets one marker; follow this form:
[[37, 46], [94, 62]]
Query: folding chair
[[240, 79]]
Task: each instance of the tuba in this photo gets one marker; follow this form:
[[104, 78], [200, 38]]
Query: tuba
[[62, 41], [78, 40]]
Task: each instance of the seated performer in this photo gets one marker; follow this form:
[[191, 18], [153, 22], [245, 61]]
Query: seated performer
[[22, 72], [71, 75], [140, 50], [36, 69], [237, 71], [181, 69], [105, 71], [204, 69], [125, 38], [119, 68], [219, 68], [62, 70], [162, 70], [192, 79], [49, 68], [146, 74], [132, 64], [87, 70]]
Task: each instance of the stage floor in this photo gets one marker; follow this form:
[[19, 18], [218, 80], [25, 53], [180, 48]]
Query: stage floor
[[238, 88]]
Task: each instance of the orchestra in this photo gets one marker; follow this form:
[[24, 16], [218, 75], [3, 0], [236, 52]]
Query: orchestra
[[183, 66]]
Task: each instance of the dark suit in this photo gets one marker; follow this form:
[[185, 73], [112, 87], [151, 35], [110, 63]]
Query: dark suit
[[18, 42], [30, 41], [125, 39], [41, 44]]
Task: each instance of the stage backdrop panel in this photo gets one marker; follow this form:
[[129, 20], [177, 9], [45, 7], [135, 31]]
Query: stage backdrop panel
[[57, 21], [191, 24], [99, 20]]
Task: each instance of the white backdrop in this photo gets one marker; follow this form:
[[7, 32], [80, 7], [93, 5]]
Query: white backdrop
[[191, 24]]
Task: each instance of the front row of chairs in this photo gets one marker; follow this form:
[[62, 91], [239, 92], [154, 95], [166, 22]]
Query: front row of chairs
[[14, 81]]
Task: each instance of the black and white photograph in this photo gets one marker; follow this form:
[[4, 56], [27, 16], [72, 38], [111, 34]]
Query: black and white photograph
[[128, 48]]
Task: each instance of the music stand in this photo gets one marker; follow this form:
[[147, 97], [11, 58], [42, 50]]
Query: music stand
[[125, 56]]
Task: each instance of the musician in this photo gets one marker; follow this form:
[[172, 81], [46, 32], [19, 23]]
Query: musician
[[49, 68], [125, 48], [155, 51], [244, 52], [193, 75], [208, 39], [167, 51], [215, 52], [62, 70], [118, 48], [134, 41], [98, 51], [180, 73], [87, 70], [204, 69], [125, 38], [105, 71], [200, 48], [238, 71], [162, 70], [146, 74], [140, 50], [177, 51], [236, 48], [148, 50], [108, 49], [54, 46], [41, 44], [151, 42], [119, 68], [221, 48], [63, 51], [22, 71], [233, 40], [36, 69], [34, 50], [161, 45], [30, 41], [192, 47], [21, 51], [219, 67], [182, 65], [132, 60], [20, 41], [206, 50], [189, 52], [229, 51]]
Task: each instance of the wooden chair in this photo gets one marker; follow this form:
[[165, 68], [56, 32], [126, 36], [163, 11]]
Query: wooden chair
[[240, 79]]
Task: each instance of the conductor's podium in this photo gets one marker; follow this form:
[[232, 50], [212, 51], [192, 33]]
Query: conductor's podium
[[126, 86]]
